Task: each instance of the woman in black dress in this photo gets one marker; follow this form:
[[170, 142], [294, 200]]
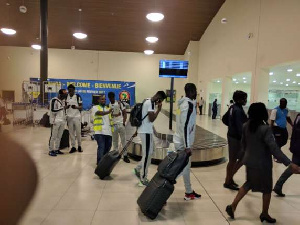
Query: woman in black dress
[[258, 145]]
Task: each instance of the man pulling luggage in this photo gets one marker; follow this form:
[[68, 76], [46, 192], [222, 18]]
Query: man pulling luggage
[[185, 133]]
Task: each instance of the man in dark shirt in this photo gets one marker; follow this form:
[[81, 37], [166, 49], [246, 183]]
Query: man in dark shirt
[[295, 149], [237, 117], [214, 109]]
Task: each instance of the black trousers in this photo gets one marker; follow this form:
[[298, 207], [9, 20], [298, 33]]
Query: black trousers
[[200, 109], [287, 173]]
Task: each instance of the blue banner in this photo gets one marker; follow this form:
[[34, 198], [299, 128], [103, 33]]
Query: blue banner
[[124, 91]]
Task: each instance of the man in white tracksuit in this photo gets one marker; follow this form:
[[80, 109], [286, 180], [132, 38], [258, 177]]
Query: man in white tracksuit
[[57, 121], [74, 105], [185, 133], [119, 116]]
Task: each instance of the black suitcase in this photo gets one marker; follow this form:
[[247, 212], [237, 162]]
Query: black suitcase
[[155, 195], [64, 141], [172, 165], [109, 161]]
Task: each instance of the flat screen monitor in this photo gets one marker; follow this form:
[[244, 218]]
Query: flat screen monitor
[[173, 68]]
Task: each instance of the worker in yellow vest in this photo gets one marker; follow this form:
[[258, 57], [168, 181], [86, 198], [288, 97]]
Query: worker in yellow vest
[[103, 127]]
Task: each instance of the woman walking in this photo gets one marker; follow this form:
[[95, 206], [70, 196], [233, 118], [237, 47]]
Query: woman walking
[[258, 145]]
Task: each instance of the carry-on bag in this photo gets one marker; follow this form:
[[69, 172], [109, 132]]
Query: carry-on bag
[[155, 196], [172, 165], [110, 160], [64, 141]]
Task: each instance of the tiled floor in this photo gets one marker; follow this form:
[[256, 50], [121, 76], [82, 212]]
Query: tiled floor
[[70, 194]]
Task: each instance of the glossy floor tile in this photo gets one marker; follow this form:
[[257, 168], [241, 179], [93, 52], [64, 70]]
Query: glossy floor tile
[[70, 193]]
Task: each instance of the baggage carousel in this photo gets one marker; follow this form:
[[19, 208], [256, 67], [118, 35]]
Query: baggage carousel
[[208, 149]]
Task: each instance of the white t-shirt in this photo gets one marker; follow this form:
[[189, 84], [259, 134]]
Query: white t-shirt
[[147, 126], [117, 107], [201, 102], [73, 101], [106, 128]]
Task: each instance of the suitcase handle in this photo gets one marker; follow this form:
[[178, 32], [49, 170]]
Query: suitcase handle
[[127, 144]]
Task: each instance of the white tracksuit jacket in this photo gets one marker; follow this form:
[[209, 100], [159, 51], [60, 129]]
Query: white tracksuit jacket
[[185, 124]]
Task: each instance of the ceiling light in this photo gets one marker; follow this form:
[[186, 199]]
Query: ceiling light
[[237, 82], [281, 82], [218, 81], [271, 73], [245, 81], [36, 47], [294, 82], [80, 35], [234, 79], [244, 78], [148, 52], [288, 79], [289, 70], [274, 81], [8, 31], [299, 83], [298, 74], [155, 17], [287, 85], [152, 39]]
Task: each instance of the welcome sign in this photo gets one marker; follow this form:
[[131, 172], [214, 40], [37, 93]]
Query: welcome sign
[[124, 91]]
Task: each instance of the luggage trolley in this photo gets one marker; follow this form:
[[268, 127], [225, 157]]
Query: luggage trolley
[[22, 113]]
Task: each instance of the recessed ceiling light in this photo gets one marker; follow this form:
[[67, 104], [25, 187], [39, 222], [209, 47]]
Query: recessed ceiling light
[[234, 79], [218, 81], [237, 82], [244, 78], [287, 85], [8, 31], [294, 82], [245, 81], [289, 70], [281, 82], [80, 35], [288, 79], [148, 52], [152, 39], [274, 81], [271, 73], [299, 83], [155, 17], [298, 74], [36, 47]]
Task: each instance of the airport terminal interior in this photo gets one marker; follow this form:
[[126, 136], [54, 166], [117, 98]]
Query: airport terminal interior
[[186, 64]]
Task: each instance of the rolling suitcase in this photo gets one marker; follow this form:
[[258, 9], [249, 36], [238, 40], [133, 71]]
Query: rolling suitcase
[[154, 196], [172, 165], [109, 161], [64, 141]]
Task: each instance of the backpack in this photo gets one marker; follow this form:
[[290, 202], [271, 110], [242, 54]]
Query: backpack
[[225, 117], [136, 115], [45, 121]]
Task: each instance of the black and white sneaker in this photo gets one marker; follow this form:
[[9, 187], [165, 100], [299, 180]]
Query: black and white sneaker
[[58, 152], [52, 153], [73, 149], [126, 159]]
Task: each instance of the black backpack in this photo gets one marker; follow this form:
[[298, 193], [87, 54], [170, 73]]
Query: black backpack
[[45, 121], [225, 117], [136, 115]]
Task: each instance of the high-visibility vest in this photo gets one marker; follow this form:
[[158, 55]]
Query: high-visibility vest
[[98, 120]]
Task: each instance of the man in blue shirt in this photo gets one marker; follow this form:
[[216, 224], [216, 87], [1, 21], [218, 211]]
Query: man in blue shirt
[[279, 118]]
